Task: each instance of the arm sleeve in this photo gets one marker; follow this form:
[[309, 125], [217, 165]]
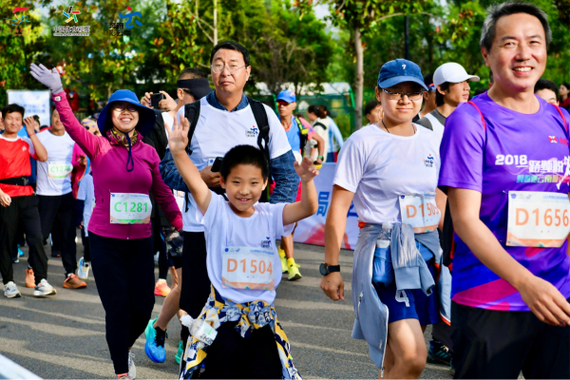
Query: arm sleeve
[[462, 150], [170, 174], [88, 142], [350, 166], [211, 217], [31, 148], [285, 177], [336, 133]]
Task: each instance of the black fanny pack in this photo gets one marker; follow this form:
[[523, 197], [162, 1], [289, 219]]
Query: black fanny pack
[[19, 181]]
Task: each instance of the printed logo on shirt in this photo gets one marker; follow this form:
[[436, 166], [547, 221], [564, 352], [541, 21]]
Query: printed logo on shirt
[[552, 139], [563, 141], [24, 149], [429, 161], [252, 132], [266, 243]]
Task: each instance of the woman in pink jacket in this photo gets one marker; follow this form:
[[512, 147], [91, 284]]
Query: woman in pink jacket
[[125, 170]]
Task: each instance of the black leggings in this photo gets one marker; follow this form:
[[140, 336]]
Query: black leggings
[[124, 275], [25, 210], [195, 288], [60, 210]]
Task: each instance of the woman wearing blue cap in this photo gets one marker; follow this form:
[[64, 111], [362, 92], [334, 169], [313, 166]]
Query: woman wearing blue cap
[[391, 170], [124, 170]]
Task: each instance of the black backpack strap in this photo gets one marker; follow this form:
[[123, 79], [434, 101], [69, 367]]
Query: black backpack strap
[[318, 123], [303, 133], [192, 113], [263, 125]]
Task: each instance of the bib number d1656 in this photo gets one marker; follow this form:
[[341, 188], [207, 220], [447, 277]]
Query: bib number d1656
[[130, 208], [248, 268], [537, 219], [420, 211]]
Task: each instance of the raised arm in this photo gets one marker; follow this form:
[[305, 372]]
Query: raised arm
[[309, 203], [543, 299], [50, 78], [39, 148], [177, 141]]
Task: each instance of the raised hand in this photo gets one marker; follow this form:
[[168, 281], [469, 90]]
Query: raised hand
[[47, 77], [306, 170], [32, 126], [178, 137]]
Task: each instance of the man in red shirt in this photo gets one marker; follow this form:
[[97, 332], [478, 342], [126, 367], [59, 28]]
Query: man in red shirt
[[18, 201]]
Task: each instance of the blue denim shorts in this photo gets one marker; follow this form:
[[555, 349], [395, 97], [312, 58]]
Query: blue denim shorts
[[406, 304]]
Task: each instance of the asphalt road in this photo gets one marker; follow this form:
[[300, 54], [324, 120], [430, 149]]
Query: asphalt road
[[63, 337]]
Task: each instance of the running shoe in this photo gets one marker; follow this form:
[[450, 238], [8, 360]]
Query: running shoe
[[15, 260], [44, 289], [11, 290], [293, 269], [161, 289], [83, 269], [132, 374], [73, 282], [180, 352], [438, 353], [123, 376], [20, 252], [451, 368], [284, 268], [30, 281], [55, 253], [154, 346]]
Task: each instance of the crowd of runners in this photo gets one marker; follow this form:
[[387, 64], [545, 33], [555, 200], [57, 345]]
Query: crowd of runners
[[462, 203]]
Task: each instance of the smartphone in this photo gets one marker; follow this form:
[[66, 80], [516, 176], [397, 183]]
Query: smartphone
[[216, 165], [155, 99]]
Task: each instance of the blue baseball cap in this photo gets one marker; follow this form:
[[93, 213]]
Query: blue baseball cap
[[287, 96], [147, 117], [399, 71]]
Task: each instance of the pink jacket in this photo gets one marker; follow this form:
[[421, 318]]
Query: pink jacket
[[111, 176]]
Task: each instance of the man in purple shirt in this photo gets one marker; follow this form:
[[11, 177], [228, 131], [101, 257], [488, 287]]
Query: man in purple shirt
[[506, 169]]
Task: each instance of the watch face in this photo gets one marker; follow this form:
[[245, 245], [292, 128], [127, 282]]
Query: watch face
[[323, 269]]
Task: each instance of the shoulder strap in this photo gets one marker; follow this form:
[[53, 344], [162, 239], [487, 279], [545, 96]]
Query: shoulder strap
[[263, 125], [480, 113], [303, 133], [563, 118], [321, 124], [192, 113]]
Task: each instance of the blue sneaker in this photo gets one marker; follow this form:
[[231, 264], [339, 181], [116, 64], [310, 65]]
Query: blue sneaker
[[438, 353], [180, 352], [154, 346], [20, 252]]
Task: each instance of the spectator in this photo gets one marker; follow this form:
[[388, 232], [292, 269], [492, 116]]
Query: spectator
[[373, 111], [564, 92], [318, 117], [546, 90], [429, 97], [335, 137]]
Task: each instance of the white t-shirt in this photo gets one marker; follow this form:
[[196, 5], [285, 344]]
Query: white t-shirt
[[379, 167], [223, 229], [168, 123], [54, 175], [86, 193], [217, 132], [324, 133]]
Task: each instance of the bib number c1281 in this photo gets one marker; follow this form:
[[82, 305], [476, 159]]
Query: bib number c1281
[[537, 219], [420, 211], [248, 268], [130, 208]]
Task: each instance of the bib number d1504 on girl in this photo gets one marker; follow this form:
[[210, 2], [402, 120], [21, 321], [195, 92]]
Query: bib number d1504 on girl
[[130, 208], [538, 219], [248, 268], [420, 211]]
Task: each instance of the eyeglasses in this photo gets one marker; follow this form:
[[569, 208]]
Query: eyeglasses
[[120, 107], [220, 67], [396, 95], [282, 103]]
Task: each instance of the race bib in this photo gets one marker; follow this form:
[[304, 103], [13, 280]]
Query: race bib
[[130, 208], [537, 219], [58, 170], [248, 268], [420, 211]]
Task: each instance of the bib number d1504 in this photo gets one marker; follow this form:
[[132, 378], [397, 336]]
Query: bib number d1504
[[538, 219], [130, 208], [420, 211], [248, 268]]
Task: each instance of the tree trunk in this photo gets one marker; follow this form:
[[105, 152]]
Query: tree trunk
[[359, 80], [215, 22]]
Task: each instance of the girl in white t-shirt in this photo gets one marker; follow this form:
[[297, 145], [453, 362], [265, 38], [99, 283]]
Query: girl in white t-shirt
[[387, 167]]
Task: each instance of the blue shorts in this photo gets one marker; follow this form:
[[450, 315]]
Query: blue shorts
[[406, 304]]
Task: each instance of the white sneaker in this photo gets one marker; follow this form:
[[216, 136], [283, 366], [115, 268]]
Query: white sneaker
[[11, 290], [44, 289], [132, 368], [83, 270]]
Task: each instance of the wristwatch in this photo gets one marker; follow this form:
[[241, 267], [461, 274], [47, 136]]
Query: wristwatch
[[321, 157], [326, 269]]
